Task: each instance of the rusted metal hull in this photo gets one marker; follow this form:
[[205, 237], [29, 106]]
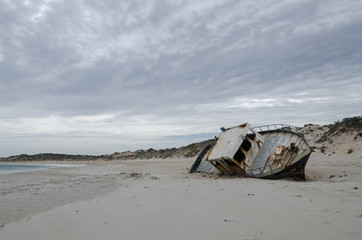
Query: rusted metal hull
[[296, 171], [271, 153]]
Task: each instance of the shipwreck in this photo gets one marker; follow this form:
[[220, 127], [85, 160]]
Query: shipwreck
[[272, 151]]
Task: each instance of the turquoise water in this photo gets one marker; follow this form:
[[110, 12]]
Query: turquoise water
[[14, 168]]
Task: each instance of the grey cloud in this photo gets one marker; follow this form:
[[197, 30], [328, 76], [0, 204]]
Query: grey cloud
[[170, 59]]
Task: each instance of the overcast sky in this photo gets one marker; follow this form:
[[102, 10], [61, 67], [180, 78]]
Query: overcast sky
[[95, 77]]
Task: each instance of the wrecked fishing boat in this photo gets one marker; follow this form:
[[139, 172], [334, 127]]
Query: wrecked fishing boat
[[272, 151]]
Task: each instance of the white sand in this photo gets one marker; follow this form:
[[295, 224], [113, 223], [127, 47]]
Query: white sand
[[158, 199]]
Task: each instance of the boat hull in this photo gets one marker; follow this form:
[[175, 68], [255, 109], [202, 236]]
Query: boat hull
[[271, 154], [296, 170]]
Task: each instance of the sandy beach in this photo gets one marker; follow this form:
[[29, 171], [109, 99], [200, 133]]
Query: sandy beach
[[159, 199]]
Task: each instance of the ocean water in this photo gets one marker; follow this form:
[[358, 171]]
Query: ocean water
[[14, 168]]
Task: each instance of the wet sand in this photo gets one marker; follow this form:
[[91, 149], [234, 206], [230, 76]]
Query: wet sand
[[159, 199]]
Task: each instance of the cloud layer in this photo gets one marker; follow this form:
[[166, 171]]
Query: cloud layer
[[101, 76]]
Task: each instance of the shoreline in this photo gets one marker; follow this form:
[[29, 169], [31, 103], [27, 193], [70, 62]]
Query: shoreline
[[26, 193], [32, 167]]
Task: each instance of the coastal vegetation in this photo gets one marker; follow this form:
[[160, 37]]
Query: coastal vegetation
[[326, 135]]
